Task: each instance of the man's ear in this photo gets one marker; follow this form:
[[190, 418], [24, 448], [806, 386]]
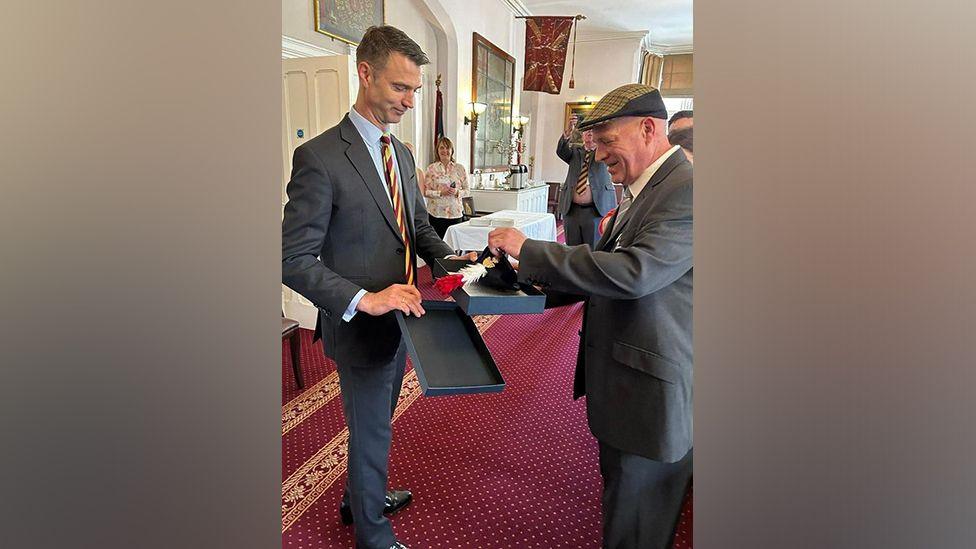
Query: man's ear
[[365, 72], [650, 129]]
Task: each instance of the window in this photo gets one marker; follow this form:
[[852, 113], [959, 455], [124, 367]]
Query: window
[[493, 83], [676, 75], [675, 104]]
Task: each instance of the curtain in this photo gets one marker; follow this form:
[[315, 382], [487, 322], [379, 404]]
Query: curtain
[[651, 66], [677, 76]]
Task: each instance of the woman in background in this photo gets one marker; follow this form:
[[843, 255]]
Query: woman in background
[[445, 183]]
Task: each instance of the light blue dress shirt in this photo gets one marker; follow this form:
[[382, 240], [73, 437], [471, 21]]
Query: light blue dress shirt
[[371, 136]]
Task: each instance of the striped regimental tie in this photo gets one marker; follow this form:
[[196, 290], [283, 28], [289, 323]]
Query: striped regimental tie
[[401, 219], [583, 181], [626, 201]]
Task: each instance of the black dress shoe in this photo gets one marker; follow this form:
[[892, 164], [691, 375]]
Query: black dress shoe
[[396, 500], [397, 544]]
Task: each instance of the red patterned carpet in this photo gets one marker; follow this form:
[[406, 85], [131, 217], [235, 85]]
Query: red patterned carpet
[[510, 469]]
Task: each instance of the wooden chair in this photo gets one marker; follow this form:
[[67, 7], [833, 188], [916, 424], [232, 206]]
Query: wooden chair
[[553, 204], [469, 210], [289, 331]]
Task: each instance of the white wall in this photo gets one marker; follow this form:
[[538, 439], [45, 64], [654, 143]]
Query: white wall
[[495, 21], [407, 16], [602, 64], [444, 29]]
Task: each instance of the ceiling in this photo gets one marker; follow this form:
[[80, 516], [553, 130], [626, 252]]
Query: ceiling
[[669, 21]]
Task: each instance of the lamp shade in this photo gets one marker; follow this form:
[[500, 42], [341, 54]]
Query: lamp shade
[[478, 108]]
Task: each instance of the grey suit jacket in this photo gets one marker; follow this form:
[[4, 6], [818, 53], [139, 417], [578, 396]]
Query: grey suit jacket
[[601, 186], [635, 357], [339, 235]]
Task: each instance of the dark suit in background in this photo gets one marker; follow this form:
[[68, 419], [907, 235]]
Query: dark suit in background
[[635, 356], [581, 220], [339, 235]]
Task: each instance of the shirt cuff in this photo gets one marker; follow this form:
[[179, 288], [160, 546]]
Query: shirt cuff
[[351, 309]]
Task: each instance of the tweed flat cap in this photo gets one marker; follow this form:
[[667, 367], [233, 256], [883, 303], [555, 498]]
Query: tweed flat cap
[[627, 100]]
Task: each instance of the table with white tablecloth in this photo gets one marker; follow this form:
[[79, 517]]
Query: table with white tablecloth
[[537, 226]]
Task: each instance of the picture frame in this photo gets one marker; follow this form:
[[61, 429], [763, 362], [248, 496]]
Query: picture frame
[[581, 108], [467, 203], [347, 20]]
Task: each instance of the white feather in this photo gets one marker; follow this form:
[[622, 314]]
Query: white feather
[[472, 273]]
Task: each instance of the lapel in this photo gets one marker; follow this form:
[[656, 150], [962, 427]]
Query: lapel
[[673, 161], [358, 155]]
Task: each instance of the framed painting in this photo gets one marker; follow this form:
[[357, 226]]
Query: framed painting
[[347, 20], [468, 203], [579, 108]]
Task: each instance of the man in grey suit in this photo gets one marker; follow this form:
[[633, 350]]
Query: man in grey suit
[[587, 194], [635, 356], [352, 229]]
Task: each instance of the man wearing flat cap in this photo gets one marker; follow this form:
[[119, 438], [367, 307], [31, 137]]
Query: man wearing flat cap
[[635, 355], [587, 194]]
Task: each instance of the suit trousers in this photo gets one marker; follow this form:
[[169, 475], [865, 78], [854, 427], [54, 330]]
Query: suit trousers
[[581, 225], [369, 397], [641, 499]]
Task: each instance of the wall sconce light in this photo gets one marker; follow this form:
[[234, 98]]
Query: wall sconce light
[[520, 122], [474, 110]]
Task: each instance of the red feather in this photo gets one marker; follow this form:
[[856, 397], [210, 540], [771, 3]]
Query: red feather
[[447, 284]]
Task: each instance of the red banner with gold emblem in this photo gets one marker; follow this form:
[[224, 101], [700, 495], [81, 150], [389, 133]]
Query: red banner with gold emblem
[[546, 42]]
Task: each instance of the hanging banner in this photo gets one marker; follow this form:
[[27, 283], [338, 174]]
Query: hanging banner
[[546, 42], [438, 121]]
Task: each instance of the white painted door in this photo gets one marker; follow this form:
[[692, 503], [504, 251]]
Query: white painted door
[[314, 97]]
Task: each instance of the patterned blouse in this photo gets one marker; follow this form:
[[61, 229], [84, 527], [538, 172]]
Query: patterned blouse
[[436, 179]]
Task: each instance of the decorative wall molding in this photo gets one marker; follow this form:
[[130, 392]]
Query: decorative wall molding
[[670, 50], [661, 49], [292, 48], [604, 36], [517, 6]]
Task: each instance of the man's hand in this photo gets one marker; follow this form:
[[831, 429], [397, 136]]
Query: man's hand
[[470, 256], [573, 120], [506, 240], [399, 297]]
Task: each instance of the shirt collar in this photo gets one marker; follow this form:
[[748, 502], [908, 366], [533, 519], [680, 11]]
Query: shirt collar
[[637, 186], [367, 130]]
